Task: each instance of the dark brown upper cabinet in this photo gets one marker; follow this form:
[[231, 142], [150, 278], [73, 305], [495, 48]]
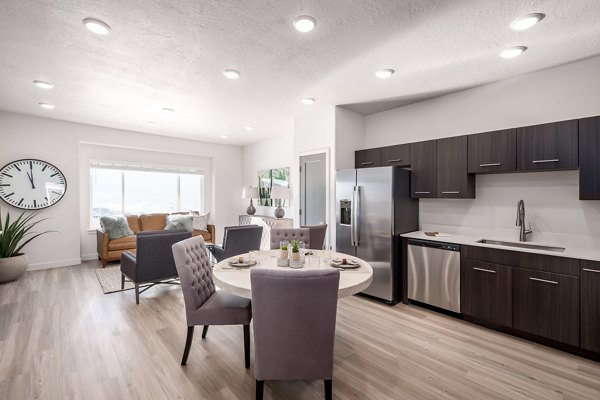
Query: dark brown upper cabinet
[[453, 180], [493, 152], [589, 158], [367, 158], [423, 165], [548, 146], [590, 305], [398, 155]]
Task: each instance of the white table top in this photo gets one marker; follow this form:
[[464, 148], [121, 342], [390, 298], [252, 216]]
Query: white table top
[[237, 280]]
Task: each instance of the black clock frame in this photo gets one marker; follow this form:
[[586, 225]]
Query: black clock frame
[[46, 162]]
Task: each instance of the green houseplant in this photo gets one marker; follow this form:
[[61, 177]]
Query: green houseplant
[[14, 235], [295, 250]]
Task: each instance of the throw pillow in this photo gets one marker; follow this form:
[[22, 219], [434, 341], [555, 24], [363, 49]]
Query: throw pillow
[[200, 222], [177, 222], [116, 226]]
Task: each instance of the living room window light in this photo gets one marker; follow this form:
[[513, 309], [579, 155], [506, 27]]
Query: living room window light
[[142, 189]]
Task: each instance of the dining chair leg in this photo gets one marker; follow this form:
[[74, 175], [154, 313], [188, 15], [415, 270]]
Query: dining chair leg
[[122, 281], [260, 388], [204, 331], [247, 345], [188, 345], [137, 293], [328, 389]]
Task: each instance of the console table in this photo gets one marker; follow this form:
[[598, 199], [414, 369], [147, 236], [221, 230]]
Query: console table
[[267, 223]]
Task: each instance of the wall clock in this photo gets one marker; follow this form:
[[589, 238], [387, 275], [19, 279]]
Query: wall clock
[[31, 184]]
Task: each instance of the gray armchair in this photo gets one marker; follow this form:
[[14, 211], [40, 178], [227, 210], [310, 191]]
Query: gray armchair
[[238, 240], [279, 234], [317, 236], [294, 325], [204, 305], [152, 263]]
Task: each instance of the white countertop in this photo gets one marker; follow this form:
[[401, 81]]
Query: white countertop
[[584, 253]]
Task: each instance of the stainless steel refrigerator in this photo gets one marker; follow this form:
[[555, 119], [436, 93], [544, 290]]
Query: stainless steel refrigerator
[[373, 207]]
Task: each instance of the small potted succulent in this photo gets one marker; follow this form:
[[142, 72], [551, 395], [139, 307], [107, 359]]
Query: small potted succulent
[[295, 250], [297, 256], [14, 235]]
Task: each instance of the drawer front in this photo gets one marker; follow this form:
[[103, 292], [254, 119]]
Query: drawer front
[[546, 305], [486, 291], [398, 155], [368, 158]]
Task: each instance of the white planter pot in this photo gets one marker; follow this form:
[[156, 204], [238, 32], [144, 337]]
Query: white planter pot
[[13, 267]]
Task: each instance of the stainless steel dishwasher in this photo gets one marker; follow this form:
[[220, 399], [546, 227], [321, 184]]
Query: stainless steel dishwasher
[[434, 273]]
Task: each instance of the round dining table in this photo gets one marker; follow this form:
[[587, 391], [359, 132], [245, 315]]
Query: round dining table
[[236, 280]]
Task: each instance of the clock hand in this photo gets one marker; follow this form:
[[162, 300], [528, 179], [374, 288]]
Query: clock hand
[[31, 177], [31, 180]]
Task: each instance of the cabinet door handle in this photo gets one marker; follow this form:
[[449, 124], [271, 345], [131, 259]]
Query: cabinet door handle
[[455, 192], [366, 163], [496, 164], [543, 280], [422, 192], [395, 160], [591, 270], [491, 271], [545, 161]]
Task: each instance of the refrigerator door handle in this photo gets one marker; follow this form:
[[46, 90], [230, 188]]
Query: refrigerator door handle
[[356, 209], [353, 217]]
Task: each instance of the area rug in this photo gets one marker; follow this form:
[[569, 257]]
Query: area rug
[[110, 280]]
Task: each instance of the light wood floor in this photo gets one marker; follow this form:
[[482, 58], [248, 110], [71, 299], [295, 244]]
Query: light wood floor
[[62, 338]]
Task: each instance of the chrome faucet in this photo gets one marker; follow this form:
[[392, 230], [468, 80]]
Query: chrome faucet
[[521, 221]]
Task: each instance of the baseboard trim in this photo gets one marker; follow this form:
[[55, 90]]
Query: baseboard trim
[[89, 257], [54, 264]]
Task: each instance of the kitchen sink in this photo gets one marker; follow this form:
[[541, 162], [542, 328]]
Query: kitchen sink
[[523, 245]]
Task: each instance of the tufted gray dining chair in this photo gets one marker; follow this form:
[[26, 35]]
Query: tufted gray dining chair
[[204, 305], [278, 234]]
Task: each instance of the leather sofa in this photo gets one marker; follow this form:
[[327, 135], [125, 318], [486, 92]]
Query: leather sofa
[[110, 250]]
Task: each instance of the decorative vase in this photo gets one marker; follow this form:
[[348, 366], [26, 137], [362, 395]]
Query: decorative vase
[[279, 212], [12, 267], [250, 210]]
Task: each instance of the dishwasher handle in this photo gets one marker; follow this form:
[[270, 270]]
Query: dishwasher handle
[[435, 245]]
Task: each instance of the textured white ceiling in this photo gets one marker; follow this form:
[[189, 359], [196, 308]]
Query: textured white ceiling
[[171, 53]]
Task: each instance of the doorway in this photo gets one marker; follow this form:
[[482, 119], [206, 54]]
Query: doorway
[[313, 189]]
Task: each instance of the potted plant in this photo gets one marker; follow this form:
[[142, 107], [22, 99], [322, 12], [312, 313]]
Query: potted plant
[[282, 257], [295, 250], [14, 235]]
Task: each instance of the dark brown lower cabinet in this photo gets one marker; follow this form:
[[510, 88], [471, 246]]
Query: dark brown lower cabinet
[[546, 304], [486, 291], [590, 306]]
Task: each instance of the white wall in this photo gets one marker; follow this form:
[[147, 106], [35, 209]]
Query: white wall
[[551, 198], [350, 129], [58, 142], [267, 154]]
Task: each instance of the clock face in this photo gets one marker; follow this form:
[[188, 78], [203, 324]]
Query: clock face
[[31, 184]]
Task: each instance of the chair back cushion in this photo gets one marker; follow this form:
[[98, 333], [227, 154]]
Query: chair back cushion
[[294, 316], [279, 234], [154, 258], [134, 223], [195, 274], [153, 222], [317, 236], [240, 240]]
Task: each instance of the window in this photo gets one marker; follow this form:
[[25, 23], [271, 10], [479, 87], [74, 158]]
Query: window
[[121, 189]]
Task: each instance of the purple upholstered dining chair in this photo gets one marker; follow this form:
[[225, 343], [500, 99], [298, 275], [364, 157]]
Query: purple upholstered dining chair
[[317, 235], [204, 305], [294, 325]]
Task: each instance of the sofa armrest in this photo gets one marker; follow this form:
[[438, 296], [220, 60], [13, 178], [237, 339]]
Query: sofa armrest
[[211, 229], [102, 243]]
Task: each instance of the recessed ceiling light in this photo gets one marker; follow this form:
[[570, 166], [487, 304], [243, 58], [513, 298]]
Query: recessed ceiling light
[[231, 73], [305, 23], [526, 21], [384, 73], [249, 128], [96, 26], [47, 106], [150, 123], [43, 84], [308, 100], [224, 137], [168, 110], [512, 52]]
